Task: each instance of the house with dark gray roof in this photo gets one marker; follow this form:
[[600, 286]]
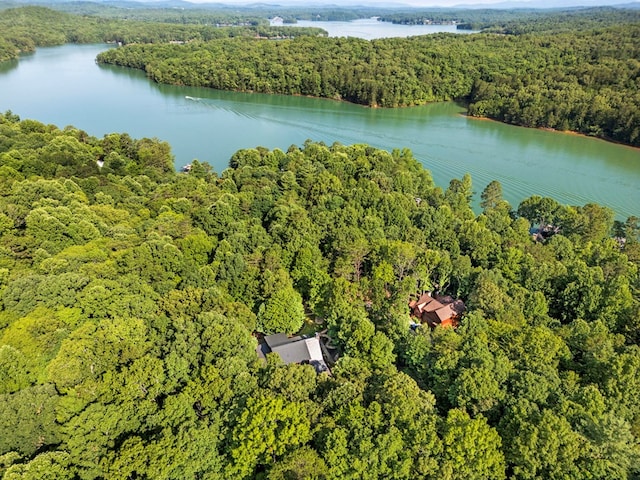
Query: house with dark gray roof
[[302, 350]]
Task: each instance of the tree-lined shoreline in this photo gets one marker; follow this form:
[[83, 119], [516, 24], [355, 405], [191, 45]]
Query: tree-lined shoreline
[[582, 82], [132, 296], [535, 73]]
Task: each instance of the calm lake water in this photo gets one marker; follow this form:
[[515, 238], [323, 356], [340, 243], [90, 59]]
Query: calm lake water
[[64, 86], [370, 28]]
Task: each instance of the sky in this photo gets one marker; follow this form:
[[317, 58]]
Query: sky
[[417, 3], [422, 3]]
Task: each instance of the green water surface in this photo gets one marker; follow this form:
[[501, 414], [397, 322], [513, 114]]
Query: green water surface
[[64, 86]]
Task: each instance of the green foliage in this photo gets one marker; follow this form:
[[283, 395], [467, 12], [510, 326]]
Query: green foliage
[[491, 196], [472, 449], [130, 296], [576, 80], [28, 420], [267, 428], [303, 464], [282, 312], [14, 372], [46, 466], [516, 21], [23, 29]]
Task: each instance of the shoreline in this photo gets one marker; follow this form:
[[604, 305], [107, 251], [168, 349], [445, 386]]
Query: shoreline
[[553, 130]]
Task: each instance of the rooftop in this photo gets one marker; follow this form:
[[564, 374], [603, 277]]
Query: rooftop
[[437, 309], [296, 350]]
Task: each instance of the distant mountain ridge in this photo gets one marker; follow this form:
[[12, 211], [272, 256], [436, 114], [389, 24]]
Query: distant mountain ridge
[[552, 4], [433, 4]]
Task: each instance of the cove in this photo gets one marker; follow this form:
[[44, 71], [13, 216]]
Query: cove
[[64, 86], [371, 28]]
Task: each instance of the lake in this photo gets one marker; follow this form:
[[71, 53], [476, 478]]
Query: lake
[[370, 28], [64, 86]]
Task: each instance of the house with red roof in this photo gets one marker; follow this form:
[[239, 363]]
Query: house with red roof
[[437, 310]]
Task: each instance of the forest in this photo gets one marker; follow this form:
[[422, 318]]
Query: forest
[[130, 298], [218, 13], [133, 297], [24, 29], [570, 71], [585, 80], [520, 20]]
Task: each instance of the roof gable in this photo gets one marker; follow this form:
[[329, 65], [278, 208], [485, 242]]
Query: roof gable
[[445, 313], [437, 309], [278, 339], [433, 306], [296, 349], [294, 352]]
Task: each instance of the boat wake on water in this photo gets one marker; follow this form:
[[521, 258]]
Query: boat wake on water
[[224, 106]]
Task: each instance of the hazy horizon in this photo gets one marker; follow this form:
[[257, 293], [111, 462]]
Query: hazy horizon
[[426, 3], [416, 3]]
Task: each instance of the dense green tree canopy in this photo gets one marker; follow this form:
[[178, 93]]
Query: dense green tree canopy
[[23, 29], [580, 80], [563, 70], [131, 297]]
